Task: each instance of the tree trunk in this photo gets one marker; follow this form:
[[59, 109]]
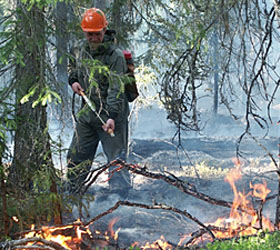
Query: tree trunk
[[216, 73], [31, 138], [62, 44], [31, 144]]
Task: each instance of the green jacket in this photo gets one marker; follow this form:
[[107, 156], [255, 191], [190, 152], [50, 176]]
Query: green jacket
[[105, 89]]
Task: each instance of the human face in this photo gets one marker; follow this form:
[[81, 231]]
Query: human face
[[95, 38]]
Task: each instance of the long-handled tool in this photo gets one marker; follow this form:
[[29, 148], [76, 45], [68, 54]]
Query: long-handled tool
[[109, 131]]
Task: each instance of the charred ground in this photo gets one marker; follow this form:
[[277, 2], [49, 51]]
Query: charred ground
[[203, 163]]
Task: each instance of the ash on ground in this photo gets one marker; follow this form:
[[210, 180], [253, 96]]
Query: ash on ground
[[203, 163]]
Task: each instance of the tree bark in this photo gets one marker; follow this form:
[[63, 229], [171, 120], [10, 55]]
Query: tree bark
[[31, 137], [216, 73], [62, 44], [31, 143]]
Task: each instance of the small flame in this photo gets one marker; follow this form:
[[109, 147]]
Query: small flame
[[50, 234], [244, 219], [113, 234], [236, 161], [158, 244], [183, 238], [116, 236]]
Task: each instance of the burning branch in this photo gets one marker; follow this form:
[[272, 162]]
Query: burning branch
[[22, 244], [241, 211]]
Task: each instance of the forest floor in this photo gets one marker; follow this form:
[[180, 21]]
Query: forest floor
[[204, 163]]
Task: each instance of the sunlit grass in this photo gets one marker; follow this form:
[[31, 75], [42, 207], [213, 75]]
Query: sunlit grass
[[205, 170], [264, 241]]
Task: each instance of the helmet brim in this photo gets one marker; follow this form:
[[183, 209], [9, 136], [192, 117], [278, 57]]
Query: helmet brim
[[91, 30]]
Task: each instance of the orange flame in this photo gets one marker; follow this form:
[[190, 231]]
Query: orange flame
[[244, 219], [158, 244], [50, 234], [78, 230], [113, 234], [183, 238]]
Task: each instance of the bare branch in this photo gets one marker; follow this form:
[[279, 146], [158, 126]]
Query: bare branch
[[155, 206]]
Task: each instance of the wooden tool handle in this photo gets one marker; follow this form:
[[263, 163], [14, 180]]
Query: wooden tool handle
[[111, 132]]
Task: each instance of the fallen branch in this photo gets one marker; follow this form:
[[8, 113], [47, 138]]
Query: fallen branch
[[181, 185], [176, 182], [90, 180], [21, 244], [155, 206]]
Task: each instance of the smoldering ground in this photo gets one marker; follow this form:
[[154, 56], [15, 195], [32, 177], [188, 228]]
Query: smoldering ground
[[203, 164]]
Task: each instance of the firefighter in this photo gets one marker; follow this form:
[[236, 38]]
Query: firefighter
[[105, 92]]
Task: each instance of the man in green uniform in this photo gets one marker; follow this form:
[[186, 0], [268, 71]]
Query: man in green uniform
[[105, 90]]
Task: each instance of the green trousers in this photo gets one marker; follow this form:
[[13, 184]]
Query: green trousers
[[83, 148]]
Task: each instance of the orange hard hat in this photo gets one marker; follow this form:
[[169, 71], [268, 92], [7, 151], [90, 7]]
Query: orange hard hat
[[94, 20]]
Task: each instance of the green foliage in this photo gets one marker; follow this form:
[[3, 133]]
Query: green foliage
[[95, 67], [41, 3], [25, 72], [45, 95], [134, 248], [264, 241], [38, 206]]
